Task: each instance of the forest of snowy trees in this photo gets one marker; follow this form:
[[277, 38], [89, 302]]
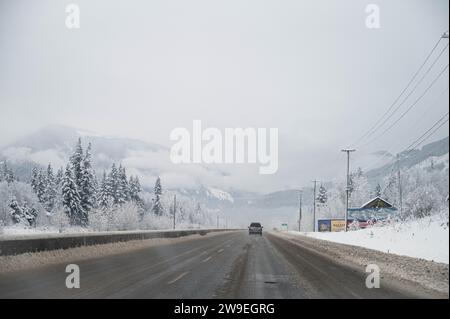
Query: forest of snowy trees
[[75, 197], [424, 192]]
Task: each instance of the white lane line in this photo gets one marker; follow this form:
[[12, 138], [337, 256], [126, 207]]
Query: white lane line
[[206, 259], [220, 250], [178, 278]]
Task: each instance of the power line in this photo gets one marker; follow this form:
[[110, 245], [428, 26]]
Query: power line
[[383, 157], [411, 92], [407, 97], [424, 137], [431, 132], [435, 126], [410, 107], [369, 132]]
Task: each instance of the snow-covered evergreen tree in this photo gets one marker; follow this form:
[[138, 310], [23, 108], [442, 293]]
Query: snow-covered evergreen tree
[[41, 186], [112, 183], [6, 174], [76, 161], [23, 194], [71, 200], [59, 177], [50, 192], [122, 190], [35, 179], [157, 205], [87, 182], [135, 189], [104, 198], [16, 213], [30, 214], [23, 215], [322, 196]]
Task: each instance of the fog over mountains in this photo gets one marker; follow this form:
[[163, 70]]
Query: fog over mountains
[[55, 143]]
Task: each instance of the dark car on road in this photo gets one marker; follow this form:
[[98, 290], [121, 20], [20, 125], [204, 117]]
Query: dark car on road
[[255, 228]]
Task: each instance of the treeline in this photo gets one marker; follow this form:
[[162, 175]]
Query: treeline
[[75, 196], [77, 190]]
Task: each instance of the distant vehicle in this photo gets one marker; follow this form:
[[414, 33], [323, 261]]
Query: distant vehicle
[[255, 228]]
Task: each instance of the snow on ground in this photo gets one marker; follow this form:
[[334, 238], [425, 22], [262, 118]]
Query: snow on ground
[[426, 238]]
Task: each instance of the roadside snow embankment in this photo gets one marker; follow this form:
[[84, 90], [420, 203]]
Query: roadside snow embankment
[[426, 238]]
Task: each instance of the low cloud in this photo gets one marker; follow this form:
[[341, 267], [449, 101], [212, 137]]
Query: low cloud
[[25, 154]]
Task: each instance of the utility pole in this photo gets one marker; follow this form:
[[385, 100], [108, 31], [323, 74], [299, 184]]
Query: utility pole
[[217, 221], [300, 211], [400, 192], [174, 209], [314, 209], [347, 191]]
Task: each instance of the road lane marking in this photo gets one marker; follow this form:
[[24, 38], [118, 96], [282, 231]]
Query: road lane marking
[[206, 259], [220, 250], [178, 278]]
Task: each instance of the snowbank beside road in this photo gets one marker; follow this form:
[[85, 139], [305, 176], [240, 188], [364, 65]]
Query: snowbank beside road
[[426, 238]]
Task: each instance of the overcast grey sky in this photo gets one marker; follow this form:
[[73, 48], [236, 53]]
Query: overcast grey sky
[[141, 68]]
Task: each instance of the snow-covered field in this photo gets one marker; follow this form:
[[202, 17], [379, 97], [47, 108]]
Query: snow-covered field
[[426, 238]]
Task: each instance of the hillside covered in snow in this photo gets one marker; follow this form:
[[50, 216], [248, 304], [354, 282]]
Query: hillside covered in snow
[[426, 238]]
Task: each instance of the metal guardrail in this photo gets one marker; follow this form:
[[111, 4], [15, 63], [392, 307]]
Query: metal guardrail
[[27, 244]]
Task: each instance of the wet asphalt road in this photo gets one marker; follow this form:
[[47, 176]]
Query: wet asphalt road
[[227, 265]]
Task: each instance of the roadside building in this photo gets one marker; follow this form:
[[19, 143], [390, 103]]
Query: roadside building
[[374, 210]]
